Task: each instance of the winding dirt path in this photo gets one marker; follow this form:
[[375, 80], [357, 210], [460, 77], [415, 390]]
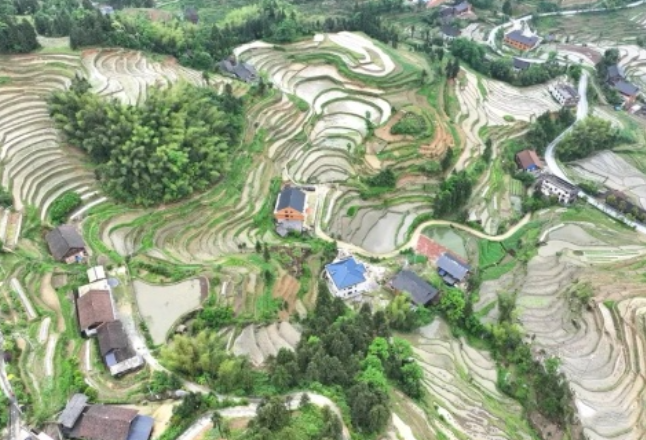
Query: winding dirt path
[[416, 234]]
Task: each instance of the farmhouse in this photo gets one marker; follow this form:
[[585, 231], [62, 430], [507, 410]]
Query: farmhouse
[[103, 422], [627, 90], [66, 244], [290, 210], [520, 64], [564, 94], [452, 270], [457, 10], [518, 40], [449, 32], [346, 277], [616, 78], [93, 309], [527, 160], [115, 349], [551, 185], [243, 71], [421, 292]]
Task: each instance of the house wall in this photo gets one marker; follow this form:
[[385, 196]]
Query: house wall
[[72, 254], [516, 44], [350, 292], [564, 196], [289, 214], [562, 99]]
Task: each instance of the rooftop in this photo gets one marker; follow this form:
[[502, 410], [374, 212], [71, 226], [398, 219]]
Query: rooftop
[[521, 38], [558, 182], [528, 158], [421, 292], [242, 70], [521, 64], [626, 88], [291, 197], [104, 422], [346, 273], [451, 31], [62, 239], [73, 410], [567, 90], [453, 266], [95, 307], [113, 338], [96, 273]]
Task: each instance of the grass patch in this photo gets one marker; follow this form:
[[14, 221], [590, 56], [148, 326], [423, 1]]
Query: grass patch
[[352, 210], [495, 272], [4, 80], [489, 253], [300, 103]]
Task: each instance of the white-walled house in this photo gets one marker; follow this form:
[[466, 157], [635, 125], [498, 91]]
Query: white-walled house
[[346, 278]]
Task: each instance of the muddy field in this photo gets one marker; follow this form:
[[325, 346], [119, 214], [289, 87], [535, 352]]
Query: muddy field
[[162, 306]]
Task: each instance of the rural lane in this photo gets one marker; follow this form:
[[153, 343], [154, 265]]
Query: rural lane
[[555, 168], [412, 242], [195, 430]]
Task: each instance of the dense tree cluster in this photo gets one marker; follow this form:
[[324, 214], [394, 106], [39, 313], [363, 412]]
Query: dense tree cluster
[[351, 353], [475, 55], [63, 206], [403, 317], [592, 135], [203, 357], [17, 36], [453, 194], [179, 141], [274, 421], [546, 128]]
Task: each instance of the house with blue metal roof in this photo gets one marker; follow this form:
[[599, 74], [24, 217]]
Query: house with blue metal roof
[[346, 277], [451, 269]]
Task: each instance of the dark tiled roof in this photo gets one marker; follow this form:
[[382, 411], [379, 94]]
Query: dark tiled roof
[[420, 291], [615, 71], [447, 12], [452, 266], [112, 338], [626, 88], [521, 64], [141, 428], [291, 197], [95, 307], [243, 71], [451, 31], [63, 239], [73, 410], [518, 37], [461, 7], [104, 422], [527, 158]]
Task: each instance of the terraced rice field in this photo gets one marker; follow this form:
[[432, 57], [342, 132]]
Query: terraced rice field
[[621, 26], [614, 172], [601, 347], [260, 342], [462, 383], [320, 145], [37, 167], [162, 306]]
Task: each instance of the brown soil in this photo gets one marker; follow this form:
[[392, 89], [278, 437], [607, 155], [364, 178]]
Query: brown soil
[[384, 131], [411, 179], [440, 142], [287, 288], [594, 55], [546, 428]]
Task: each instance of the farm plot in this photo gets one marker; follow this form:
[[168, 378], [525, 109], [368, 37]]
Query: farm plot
[[161, 306], [614, 172], [374, 227], [258, 343], [35, 166], [126, 75], [462, 383], [598, 340]]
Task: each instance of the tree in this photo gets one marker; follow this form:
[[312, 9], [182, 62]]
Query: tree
[[591, 135], [272, 414], [258, 247], [506, 8], [216, 420], [265, 253], [486, 154], [447, 160], [452, 305]]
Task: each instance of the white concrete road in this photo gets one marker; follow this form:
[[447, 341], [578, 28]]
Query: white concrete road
[[554, 167]]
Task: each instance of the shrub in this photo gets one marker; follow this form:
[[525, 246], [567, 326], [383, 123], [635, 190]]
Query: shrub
[[63, 206], [6, 199], [411, 124]]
